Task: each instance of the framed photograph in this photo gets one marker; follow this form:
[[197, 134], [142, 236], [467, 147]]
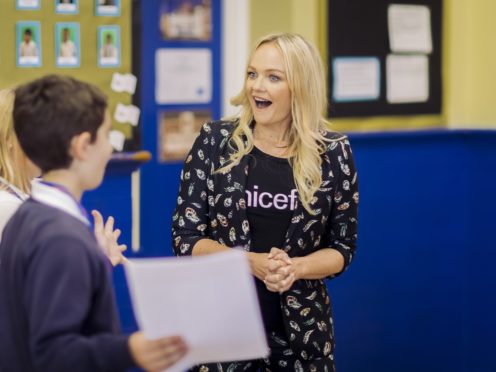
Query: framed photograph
[[67, 44], [178, 131], [109, 8], [109, 46], [28, 42], [28, 4], [186, 19], [66, 6]]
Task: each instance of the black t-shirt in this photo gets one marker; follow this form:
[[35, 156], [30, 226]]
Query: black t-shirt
[[271, 198]]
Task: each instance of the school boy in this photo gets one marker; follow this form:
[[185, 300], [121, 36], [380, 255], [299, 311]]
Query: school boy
[[57, 310]]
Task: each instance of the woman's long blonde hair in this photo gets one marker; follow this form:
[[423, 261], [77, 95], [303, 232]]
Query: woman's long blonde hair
[[307, 83], [13, 162]]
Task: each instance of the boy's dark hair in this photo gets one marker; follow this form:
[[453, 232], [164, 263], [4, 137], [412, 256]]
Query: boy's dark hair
[[49, 112], [28, 31]]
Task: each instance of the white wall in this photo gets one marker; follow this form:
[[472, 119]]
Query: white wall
[[235, 47]]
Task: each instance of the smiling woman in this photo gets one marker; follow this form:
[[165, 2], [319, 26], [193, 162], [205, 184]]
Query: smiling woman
[[277, 182]]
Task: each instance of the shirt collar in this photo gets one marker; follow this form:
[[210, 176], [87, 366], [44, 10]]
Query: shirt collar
[[57, 198]]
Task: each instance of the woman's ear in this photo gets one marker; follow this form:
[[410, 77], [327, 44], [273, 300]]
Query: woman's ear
[[80, 146]]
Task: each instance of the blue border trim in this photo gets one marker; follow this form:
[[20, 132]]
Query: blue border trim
[[375, 97], [35, 25], [164, 176], [423, 133], [74, 26]]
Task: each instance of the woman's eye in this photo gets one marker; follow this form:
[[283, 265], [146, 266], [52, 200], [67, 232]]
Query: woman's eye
[[274, 78], [252, 75]]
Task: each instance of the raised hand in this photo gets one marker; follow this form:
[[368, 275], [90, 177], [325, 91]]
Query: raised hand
[[107, 238]]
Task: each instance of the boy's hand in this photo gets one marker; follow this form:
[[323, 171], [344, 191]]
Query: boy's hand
[[156, 355], [107, 237]]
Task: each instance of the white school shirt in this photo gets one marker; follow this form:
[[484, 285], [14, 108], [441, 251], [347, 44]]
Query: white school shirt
[[29, 49], [56, 198], [10, 199], [67, 49]]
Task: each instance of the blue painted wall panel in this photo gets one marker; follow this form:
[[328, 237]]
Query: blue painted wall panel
[[420, 293]]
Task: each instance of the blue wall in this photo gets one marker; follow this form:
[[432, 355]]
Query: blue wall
[[160, 182], [113, 198], [420, 295]]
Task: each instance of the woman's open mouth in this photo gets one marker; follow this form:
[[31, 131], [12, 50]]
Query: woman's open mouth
[[262, 103]]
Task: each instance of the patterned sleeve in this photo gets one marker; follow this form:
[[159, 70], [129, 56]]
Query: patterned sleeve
[[342, 230], [190, 220]]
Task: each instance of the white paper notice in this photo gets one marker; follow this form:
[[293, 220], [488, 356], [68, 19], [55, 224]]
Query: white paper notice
[[407, 78], [183, 75], [123, 83], [409, 28], [117, 139], [356, 79], [210, 301], [127, 114]]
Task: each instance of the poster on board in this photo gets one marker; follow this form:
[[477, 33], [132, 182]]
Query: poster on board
[[66, 6], [109, 8], [109, 46], [178, 131], [28, 41], [186, 19], [67, 45]]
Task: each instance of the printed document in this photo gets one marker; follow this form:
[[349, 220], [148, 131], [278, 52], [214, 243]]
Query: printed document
[[210, 301]]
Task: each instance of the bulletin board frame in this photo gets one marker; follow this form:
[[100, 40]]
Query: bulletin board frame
[[359, 28]]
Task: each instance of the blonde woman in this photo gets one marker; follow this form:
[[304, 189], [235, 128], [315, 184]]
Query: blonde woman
[[278, 182], [16, 171]]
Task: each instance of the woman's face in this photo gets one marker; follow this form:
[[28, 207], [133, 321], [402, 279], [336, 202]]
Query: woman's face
[[267, 87]]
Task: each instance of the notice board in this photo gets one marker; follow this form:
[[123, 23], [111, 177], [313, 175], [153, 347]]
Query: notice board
[[384, 57]]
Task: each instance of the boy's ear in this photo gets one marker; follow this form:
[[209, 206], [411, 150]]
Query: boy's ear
[[80, 145]]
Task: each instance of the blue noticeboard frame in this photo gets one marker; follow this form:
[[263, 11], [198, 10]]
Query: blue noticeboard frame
[[159, 181]]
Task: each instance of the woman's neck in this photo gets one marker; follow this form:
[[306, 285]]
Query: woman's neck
[[272, 140], [277, 136]]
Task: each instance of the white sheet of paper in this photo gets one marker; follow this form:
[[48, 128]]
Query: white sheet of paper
[[409, 28], [407, 78], [210, 301], [356, 79], [183, 75], [127, 114], [117, 139], [123, 83]]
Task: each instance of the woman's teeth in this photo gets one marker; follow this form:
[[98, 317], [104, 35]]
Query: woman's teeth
[[262, 103]]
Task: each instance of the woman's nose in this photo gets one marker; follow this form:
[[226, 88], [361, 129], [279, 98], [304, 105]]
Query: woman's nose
[[258, 84]]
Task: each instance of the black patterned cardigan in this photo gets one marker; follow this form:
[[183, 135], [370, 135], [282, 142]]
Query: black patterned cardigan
[[213, 205]]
